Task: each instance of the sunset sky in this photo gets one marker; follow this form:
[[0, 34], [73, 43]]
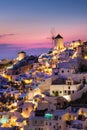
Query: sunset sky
[[29, 22]]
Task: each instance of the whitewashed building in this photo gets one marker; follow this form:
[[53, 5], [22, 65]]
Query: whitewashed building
[[64, 87]]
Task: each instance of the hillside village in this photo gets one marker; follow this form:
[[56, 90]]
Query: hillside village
[[45, 92]]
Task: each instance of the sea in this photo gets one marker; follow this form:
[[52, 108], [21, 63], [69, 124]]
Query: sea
[[10, 51]]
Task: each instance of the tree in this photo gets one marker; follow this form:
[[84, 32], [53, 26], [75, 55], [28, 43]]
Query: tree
[[56, 93]]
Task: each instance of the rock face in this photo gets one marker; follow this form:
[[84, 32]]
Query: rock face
[[82, 64], [45, 85]]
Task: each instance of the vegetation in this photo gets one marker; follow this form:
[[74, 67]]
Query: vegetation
[[56, 93]]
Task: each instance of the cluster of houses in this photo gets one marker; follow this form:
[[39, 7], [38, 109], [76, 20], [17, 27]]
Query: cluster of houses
[[36, 92]]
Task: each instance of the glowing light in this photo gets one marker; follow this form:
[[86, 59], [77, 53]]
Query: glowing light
[[4, 119], [48, 116], [7, 76], [21, 128], [85, 57], [27, 81]]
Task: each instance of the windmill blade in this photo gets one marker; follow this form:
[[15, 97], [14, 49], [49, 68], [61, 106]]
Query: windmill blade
[[53, 33], [52, 37], [48, 37]]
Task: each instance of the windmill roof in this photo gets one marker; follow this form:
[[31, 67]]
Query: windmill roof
[[58, 36], [21, 52]]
